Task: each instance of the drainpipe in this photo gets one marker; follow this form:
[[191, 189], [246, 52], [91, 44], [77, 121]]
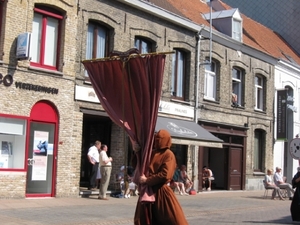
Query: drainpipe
[[197, 71]]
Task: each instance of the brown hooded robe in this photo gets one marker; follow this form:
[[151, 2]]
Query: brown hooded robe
[[166, 209]]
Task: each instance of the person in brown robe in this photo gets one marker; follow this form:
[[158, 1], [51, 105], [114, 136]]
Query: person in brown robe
[[166, 209]]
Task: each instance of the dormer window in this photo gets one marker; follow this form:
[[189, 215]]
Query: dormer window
[[237, 30], [228, 22]]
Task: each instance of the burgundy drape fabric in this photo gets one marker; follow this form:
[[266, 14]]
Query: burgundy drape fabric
[[130, 91]]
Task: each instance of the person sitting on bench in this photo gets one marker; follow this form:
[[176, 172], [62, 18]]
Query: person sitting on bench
[[207, 176]]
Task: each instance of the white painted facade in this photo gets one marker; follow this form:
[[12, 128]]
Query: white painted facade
[[287, 75]]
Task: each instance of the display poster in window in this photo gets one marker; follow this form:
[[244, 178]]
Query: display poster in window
[[5, 154], [40, 149]]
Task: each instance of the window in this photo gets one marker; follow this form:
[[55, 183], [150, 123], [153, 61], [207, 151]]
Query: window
[[210, 83], [143, 45], [237, 87], [96, 42], [237, 30], [45, 38], [178, 74], [259, 92], [259, 140], [12, 143]]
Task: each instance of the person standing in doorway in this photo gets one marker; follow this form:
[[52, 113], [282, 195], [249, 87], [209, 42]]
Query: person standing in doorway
[[105, 170], [93, 157]]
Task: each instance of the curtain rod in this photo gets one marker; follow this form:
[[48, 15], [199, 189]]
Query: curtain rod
[[116, 57]]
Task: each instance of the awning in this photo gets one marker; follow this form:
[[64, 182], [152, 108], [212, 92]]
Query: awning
[[94, 112], [188, 133]]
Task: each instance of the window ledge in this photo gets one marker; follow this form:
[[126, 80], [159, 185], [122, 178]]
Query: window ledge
[[182, 102], [45, 70], [259, 174]]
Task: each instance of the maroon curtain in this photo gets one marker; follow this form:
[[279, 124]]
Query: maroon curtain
[[129, 90]]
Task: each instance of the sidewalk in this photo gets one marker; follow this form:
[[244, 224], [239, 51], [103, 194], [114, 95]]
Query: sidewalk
[[215, 207]]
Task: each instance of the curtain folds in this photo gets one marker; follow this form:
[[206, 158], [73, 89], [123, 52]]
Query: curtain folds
[[129, 90]]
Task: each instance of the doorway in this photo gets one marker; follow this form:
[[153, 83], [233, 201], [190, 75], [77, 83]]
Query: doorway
[[42, 151]]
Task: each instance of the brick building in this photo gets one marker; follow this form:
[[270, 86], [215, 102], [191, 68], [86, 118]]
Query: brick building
[[50, 114]]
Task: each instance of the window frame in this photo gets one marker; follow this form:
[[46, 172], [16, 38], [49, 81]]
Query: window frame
[[213, 73], [95, 42], [238, 85], [237, 29], [258, 151], [175, 74], [142, 41], [259, 92], [48, 13], [22, 157]]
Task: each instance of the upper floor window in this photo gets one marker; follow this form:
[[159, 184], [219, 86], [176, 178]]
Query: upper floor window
[[143, 45], [178, 74], [210, 82], [259, 92], [45, 38], [237, 30], [96, 42], [258, 152], [237, 87]]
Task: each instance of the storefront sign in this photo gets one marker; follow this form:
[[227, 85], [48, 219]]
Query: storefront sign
[[281, 114], [86, 94], [7, 80], [33, 87], [175, 109]]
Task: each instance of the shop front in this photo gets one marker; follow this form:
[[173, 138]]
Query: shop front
[[29, 148]]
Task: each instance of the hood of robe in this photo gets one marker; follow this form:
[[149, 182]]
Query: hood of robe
[[163, 140]]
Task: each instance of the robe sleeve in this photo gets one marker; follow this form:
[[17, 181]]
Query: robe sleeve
[[166, 170]]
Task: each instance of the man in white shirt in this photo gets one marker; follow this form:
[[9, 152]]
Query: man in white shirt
[[105, 170], [278, 180], [93, 156]]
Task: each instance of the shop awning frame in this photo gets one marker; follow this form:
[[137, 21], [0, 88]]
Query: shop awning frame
[[185, 132]]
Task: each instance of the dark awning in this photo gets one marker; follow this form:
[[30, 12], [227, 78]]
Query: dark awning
[[188, 133], [94, 112]]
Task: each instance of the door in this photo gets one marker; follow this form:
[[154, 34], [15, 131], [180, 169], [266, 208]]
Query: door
[[235, 168], [42, 150], [40, 159]]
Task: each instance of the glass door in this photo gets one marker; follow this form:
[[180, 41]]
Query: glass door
[[40, 159]]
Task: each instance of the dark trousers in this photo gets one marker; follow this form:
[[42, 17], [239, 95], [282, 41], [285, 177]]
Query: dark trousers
[[93, 175]]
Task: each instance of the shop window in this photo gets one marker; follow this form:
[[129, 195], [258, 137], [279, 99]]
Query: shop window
[[237, 87], [45, 38], [210, 83], [178, 74], [143, 45], [259, 92], [96, 42], [259, 140], [12, 143]]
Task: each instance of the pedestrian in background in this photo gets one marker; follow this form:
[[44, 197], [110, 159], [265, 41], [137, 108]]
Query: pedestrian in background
[[105, 170], [93, 157]]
